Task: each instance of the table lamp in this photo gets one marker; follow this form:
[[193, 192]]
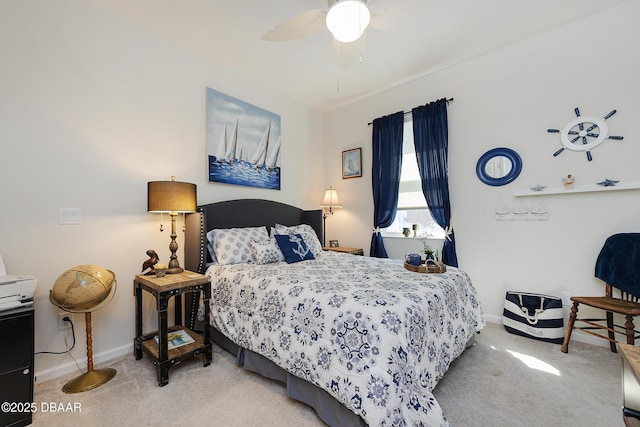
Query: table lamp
[[329, 203], [172, 197]]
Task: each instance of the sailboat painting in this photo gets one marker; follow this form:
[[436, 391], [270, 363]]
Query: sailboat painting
[[243, 142]]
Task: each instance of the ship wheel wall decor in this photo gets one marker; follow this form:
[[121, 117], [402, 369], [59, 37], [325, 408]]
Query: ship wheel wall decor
[[584, 133]]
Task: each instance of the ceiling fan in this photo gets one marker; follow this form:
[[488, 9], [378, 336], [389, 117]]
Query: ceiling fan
[[345, 19]]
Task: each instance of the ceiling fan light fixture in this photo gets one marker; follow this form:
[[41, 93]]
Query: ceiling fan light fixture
[[347, 20]]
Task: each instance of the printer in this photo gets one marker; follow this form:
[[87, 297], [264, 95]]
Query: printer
[[15, 291]]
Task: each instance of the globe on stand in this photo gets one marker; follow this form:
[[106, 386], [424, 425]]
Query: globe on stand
[[83, 289]]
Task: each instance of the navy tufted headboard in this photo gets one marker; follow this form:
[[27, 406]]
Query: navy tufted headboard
[[239, 213]]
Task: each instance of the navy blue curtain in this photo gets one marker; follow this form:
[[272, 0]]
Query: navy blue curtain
[[431, 139], [385, 175]]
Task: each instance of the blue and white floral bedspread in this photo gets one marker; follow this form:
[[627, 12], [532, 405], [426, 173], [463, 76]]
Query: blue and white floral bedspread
[[372, 334]]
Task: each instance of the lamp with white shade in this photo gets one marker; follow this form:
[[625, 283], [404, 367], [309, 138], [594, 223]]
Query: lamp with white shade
[[329, 203]]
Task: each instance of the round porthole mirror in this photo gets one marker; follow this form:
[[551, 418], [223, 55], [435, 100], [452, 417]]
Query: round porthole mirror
[[499, 166]]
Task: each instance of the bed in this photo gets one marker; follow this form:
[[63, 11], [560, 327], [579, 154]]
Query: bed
[[361, 340]]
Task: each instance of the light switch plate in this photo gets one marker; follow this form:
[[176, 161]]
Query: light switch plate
[[69, 216]]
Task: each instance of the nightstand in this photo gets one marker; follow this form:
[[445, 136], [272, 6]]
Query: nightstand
[[163, 289], [345, 250]]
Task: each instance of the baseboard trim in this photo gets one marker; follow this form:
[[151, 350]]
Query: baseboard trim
[[493, 319], [577, 335], [105, 358]]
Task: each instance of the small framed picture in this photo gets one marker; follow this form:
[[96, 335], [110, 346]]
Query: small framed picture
[[333, 244], [352, 163]]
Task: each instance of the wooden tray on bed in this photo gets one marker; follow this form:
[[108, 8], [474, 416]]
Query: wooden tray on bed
[[428, 266]]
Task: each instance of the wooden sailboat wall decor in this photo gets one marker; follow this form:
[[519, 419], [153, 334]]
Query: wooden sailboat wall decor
[[243, 142]]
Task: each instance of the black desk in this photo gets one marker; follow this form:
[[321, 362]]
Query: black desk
[[16, 366]]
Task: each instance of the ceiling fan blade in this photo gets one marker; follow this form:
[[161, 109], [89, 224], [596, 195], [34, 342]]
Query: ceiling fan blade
[[393, 20], [376, 9], [378, 16], [301, 25]]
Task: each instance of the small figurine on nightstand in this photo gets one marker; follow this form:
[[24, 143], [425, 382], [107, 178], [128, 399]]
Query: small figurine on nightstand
[[148, 264], [568, 181]]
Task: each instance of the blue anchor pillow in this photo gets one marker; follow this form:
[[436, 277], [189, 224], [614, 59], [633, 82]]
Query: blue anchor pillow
[[293, 248]]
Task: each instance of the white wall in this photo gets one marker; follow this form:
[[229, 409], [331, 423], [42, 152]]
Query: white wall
[[509, 98], [91, 109]]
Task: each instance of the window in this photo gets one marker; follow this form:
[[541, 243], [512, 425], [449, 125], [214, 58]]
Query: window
[[412, 206]]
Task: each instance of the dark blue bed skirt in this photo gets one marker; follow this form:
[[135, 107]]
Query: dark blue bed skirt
[[328, 409]]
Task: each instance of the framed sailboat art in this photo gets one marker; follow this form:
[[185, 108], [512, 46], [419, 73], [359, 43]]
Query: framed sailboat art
[[243, 142]]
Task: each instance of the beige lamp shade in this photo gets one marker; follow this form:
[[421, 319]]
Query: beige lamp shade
[[171, 196], [330, 199]]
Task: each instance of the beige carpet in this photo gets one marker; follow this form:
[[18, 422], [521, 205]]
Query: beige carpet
[[491, 384]]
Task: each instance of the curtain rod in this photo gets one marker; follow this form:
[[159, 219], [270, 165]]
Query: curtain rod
[[409, 112]]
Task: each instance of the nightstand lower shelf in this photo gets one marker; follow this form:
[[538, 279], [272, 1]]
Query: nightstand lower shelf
[[175, 355]]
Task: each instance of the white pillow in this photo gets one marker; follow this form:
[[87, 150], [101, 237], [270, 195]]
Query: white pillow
[[232, 245], [308, 235], [266, 251], [210, 245]]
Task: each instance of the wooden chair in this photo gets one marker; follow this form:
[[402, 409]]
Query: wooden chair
[[618, 265]]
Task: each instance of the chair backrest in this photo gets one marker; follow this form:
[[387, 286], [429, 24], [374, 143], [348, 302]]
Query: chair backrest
[[618, 264], [618, 293]]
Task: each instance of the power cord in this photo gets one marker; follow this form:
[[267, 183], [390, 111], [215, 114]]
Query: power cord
[[68, 350], [73, 333]]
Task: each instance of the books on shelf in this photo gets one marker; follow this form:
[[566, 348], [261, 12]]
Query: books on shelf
[[177, 339]]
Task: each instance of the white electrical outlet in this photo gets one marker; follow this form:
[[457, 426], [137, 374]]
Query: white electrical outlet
[[62, 324]]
